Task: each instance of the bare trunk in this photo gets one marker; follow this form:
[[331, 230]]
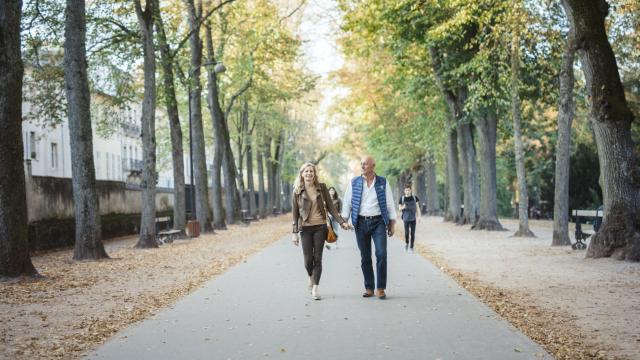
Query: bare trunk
[[262, 211], [217, 119], [433, 200], [469, 169], [278, 172], [487, 131], [251, 191], [203, 213], [523, 229], [453, 170], [171, 103], [563, 147], [421, 187], [619, 234], [148, 184], [270, 176], [14, 244], [232, 195], [88, 237], [242, 143], [453, 213]]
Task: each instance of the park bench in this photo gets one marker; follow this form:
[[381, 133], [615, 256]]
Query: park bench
[[167, 236], [163, 224], [580, 235], [246, 218]]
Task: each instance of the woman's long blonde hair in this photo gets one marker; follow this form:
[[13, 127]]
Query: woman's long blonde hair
[[299, 183]]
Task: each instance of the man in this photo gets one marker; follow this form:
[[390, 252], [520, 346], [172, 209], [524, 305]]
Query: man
[[368, 201], [410, 213]]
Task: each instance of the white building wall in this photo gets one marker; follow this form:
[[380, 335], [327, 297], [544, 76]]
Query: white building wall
[[114, 156]]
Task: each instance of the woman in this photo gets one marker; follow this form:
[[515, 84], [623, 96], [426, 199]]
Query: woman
[[337, 203], [310, 199]]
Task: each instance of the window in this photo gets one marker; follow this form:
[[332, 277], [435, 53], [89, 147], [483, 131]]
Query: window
[[54, 155], [108, 167], [32, 146], [113, 166]]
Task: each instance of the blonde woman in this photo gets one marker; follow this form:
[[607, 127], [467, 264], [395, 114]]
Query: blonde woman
[[310, 199]]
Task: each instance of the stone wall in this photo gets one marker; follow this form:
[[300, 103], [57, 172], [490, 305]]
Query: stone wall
[[50, 209]]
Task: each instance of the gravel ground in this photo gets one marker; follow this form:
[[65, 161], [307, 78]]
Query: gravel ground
[[577, 308]]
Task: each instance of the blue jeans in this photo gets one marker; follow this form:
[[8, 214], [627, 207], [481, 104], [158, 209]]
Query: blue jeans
[[366, 230]]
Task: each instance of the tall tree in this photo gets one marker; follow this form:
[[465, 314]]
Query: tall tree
[[611, 120], [88, 236], [148, 126], [563, 147], [217, 119], [433, 201], [171, 103], [516, 112], [14, 243], [203, 213]]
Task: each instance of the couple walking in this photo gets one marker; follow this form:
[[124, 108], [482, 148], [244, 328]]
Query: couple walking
[[368, 206]]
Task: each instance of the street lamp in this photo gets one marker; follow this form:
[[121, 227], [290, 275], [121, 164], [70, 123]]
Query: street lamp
[[218, 69]]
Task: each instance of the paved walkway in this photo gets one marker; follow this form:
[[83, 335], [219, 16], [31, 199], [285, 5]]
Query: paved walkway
[[261, 310]]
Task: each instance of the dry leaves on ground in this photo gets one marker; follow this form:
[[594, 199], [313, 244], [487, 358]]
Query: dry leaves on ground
[[555, 331], [78, 305]]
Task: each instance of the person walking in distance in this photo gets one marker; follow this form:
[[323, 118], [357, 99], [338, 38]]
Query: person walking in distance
[[337, 203], [310, 203], [369, 203], [410, 208]]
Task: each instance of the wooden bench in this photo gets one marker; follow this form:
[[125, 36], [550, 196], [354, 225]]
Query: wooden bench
[[580, 235], [167, 236]]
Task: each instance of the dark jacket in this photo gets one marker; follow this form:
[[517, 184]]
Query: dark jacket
[[301, 206]]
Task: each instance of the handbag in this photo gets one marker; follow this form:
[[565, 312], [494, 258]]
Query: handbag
[[331, 234]]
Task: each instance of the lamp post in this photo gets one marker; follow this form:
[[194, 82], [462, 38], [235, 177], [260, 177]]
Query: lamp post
[[219, 68]]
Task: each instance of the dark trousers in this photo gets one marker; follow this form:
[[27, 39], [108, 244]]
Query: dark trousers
[[410, 229], [367, 230], [312, 238]]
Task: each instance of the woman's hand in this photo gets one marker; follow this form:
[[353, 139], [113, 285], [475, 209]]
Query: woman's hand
[[295, 239]]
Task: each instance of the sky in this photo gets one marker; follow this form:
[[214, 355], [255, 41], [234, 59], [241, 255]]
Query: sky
[[319, 29]]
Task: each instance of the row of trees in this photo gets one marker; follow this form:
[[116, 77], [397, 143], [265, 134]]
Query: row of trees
[[488, 88], [240, 57]]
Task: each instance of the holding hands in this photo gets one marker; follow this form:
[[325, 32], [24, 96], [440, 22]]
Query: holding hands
[[346, 226]]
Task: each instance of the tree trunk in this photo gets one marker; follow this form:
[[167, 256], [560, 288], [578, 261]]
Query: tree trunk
[[262, 211], [563, 146], [217, 119], [203, 213], [232, 195], [171, 103], [88, 237], [453, 213], [148, 184], [487, 131], [251, 190], [278, 172], [14, 243], [469, 167], [421, 187], [523, 229], [242, 144], [453, 170], [433, 200], [270, 176], [611, 118]]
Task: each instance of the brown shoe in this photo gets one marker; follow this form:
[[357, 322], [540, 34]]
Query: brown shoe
[[367, 293], [381, 294]]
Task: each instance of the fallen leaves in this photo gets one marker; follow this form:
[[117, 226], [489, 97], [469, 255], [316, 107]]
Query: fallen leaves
[[555, 331], [79, 305]]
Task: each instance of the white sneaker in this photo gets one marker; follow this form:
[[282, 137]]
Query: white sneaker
[[410, 250], [314, 293]]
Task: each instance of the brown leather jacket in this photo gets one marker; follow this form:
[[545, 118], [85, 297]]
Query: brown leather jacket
[[301, 206]]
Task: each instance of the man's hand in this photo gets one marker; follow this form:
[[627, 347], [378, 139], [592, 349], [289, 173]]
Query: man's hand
[[295, 239], [346, 226], [392, 228]]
